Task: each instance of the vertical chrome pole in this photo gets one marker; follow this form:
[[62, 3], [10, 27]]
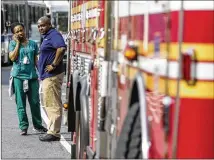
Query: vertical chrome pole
[[68, 47], [167, 37], [106, 65], [177, 102], [113, 85]]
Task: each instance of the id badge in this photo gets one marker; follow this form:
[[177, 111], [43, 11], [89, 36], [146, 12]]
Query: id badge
[[25, 60]]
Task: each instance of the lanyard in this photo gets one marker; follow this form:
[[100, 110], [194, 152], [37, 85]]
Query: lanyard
[[25, 51]]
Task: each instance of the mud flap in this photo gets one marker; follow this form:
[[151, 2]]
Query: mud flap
[[84, 110], [82, 118], [76, 90], [73, 100], [71, 111]]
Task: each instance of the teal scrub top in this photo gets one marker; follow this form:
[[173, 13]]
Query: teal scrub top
[[21, 70]]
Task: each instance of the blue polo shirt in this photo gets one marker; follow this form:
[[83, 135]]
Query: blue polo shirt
[[51, 41]]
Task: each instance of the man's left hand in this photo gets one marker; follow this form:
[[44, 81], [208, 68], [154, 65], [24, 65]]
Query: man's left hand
[[49, 68]]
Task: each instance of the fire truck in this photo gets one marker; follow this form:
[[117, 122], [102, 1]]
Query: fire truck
[[140, 79]]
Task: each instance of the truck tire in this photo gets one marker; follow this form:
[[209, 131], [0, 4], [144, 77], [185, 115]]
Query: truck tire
[[129, 143], [82, 130], [79, 137], [82, 136]]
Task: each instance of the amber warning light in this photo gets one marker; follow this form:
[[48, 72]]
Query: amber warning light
[[65, 105], [131, 52]]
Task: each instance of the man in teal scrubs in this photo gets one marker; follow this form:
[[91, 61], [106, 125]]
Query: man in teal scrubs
[[23, 54]]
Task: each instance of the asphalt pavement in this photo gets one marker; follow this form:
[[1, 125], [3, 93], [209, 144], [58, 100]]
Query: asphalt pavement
[[15, 146]]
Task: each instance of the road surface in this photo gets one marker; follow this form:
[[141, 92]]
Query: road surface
[[15, 146]]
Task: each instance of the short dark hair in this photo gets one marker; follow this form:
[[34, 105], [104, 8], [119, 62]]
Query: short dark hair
[[13, 25]]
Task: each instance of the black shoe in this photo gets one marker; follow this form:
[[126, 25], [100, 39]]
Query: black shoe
[[23, 132], [48, 138], [40, 130]]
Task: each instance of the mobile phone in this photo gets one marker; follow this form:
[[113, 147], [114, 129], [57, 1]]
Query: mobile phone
[[18, 37]]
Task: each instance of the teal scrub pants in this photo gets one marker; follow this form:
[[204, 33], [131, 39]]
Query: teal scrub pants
[[33, 99]]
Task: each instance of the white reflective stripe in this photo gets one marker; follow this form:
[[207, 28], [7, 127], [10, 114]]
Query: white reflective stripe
[[104, 78], [204, 71], [140, 8], [192, 5]]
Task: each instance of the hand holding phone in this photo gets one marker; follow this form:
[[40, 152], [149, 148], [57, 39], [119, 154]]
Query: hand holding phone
[[16, 38]]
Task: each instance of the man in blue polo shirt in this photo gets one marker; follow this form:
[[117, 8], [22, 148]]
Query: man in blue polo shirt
[[50, 66]]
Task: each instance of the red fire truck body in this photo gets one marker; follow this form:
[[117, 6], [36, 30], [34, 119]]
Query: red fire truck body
[[148, 70]]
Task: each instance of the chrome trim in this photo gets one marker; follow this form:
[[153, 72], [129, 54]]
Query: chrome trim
[[145, 143]]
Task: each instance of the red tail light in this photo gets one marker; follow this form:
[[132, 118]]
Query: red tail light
[[188, 69]]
